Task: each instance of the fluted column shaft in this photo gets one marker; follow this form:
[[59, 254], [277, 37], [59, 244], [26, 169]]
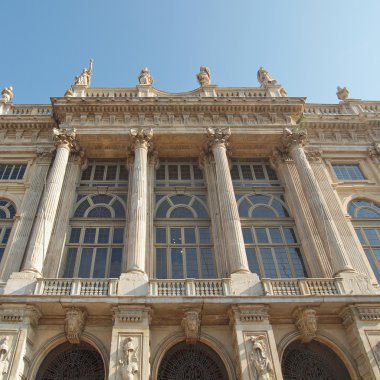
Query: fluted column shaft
[[138, 211], [325, 224], [235, 247], [43, 225]]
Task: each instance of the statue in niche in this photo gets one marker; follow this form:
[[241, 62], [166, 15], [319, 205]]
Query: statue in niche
[[130, 360], [85, 77], [7, 94], [204, 76], [145, 77], [264, 78], [258, 357], [4, 359]]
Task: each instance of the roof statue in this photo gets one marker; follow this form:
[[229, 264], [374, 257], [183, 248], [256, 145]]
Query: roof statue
[[204, 76], [84, 78], [7, 94], [264, 78], [342, 93], [145, 77]]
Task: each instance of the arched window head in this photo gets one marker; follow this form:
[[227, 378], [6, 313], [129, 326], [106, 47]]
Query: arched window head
[[100, 206], [262, 206], [366, 219], [7, 213], [181, 206]]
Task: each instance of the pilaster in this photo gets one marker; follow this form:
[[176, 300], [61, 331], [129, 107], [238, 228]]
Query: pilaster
[[130, 343], [256, 354], [18, 324], [362, 324], [13, 256]]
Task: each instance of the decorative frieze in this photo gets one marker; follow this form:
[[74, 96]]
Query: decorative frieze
[[306, 322], [191, 326], [74, 324]]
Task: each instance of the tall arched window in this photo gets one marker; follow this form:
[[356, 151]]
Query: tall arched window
[[7, 212], [366, 219], [95, 241], [182, 237], [270, 239]]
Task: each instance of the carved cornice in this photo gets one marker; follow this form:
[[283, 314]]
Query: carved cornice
[[23, 314], [365, 313], [131, 314], [249, 314]]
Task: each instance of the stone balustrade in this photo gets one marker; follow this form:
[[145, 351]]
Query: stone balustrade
[[302, 287], [31, 109], [76, 287]]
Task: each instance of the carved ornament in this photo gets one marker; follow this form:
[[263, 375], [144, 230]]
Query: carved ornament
[[314, 155], [264, 78], [306, 322], [191, 326], [84, 79], [260, 363], [294, 135], [374, 150], [342, 93], [145, 77], [74, 324], [4, 355], [218, 136], [141, 138], [124, 314], [7, 95], [65, 136], [247, 314], [204, 76], [130, 362]]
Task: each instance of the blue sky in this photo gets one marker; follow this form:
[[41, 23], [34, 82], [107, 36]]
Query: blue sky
[[309, 46]]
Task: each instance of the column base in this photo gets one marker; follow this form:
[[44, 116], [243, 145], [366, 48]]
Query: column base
[[21, 283], [356, 283], [133, 284], [246, 284]]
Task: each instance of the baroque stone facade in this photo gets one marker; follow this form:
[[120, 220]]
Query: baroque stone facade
[[222, 233]]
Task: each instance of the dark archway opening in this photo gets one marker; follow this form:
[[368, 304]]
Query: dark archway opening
[[312, 361], [72, 362], [191, 362]]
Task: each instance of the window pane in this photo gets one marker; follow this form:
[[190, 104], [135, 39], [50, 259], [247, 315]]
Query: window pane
[[1, 253], [81, 209], [204, 236], [100, 263], [197, 172], [244, 207], [123, 173], [111, 172], [246, 172], [275, 235], [372, 236], [115, 267], [160, 173], [99, 172], [104, 235], [235, 173], [190, 236], [6, 235], [185, 172], [259, 171], [173, 171], [100, 212], [252, 260], [175, 236], [75, 235], [85, 263], [373, 265], [118, 235], [191, 263], [268, 263], [290, 236], [161, 265], [163, 209], [295, 254], [247, 235], [181, 212], [263, 212], [261, 235], [271, 173], [70, 262], [283, 263], [86, 174], [200, 209], [89, 235], [207, 263], [177, 263], [160, 235], [348, 172]]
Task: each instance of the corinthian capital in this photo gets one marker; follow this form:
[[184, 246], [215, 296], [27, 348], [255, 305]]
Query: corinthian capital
[[65, 136], [218, 136], [141, 138]]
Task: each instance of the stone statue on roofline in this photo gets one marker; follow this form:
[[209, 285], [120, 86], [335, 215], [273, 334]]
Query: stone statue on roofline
[[204, 76], [84, 78], [264, 78], [342, 93], [7, 94], [145, 77]]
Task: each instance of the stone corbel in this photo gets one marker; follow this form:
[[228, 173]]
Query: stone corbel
[[74, 324], [307, 323], [131, 314], [249, 314], [191, 325]]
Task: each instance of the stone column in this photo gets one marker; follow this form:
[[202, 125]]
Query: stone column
[[208, 166], [130, 343], [42, 229], [253, 339], [217, 142], [333, 244], [13, 256], [362, 324], [60, 231], [138, 212]]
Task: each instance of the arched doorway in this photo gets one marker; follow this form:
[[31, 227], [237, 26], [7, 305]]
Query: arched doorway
[[312, 361], [191, 362], [72, 362]]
